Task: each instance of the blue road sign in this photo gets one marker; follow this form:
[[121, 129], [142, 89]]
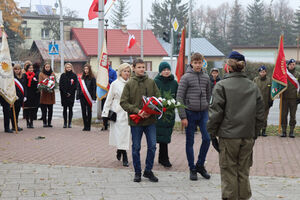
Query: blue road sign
[[53, 49]]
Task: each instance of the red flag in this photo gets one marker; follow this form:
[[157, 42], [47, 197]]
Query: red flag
[[131, 42], [181, 57], [93, 11], [279, 77]]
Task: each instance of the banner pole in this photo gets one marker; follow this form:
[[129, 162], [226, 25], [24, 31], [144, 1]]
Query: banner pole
[[280, 110], [15, 121]]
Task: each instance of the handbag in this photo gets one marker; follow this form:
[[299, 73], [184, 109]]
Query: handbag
[[112, 116]]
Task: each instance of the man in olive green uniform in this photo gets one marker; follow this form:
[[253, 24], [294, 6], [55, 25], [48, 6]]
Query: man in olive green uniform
[[236, 114], [264, 83], [289, 101]]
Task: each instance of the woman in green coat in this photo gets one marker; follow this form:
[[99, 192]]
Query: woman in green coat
[[164, 126]]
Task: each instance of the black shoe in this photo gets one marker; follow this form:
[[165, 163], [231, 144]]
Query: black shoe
[[150, 176], [31, 125], [193, 175], [8, 131], [119, 154], [201, 170], [291, 135], [166, 163], [125, 159], [263, 133], [84, 129], [45, 125], [283, 134], [50, 126], [70, 125], [65, 125], [137, 177]]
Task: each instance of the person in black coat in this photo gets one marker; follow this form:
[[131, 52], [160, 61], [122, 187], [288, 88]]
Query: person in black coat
[[20, 93], [30, 90], [67, 86], [86, 97]]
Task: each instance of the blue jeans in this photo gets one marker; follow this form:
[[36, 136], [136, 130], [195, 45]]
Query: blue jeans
[[136, 134], [196, 119]]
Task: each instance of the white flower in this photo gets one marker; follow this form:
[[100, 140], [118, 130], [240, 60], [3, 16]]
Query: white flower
[[178, 103], [173, 101], [164, 99], [159, 98], [169, 102]]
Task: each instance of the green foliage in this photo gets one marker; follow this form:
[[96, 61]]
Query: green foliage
[[119, 13], [161, 16]]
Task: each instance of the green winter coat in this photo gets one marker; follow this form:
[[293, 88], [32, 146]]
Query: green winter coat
[[164, 126], [264, 84], [131, 99], [291, 91], [236, 108]]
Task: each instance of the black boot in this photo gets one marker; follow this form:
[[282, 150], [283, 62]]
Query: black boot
[[150, 176], [201, 170], [28, 123], [163, 158], [193, 175], [65, 124], [137, 177], [283, 133], [119, 154], [263, 133], [291, 134], [70, 125], [125, 159], [31, 124]]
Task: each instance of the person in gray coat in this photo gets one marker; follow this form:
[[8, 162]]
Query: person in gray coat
[[194, 92]]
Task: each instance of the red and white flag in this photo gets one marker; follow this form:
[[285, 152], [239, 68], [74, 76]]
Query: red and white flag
[[131, 42], [293, 80], [93, 11]]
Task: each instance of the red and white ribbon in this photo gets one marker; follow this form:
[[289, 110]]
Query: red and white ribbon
[[19, 85], [293, 80], [85, 91]]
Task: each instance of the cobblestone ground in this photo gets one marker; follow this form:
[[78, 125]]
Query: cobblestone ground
[[72, 164], [35, 182]]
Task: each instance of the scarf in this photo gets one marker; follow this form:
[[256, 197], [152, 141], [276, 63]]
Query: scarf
[[30, 76]]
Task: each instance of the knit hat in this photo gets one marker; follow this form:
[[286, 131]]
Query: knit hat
[[291, 61], [163, 65], [261, 68], [237, 56]]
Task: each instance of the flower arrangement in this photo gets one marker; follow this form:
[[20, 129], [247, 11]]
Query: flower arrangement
[[47, 84], [169, 104], [151, 105]]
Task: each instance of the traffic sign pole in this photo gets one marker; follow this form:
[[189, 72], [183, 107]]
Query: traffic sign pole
[[52, 62]]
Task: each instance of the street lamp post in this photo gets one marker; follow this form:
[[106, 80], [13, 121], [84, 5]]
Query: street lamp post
[[61, 23], [106, 25]]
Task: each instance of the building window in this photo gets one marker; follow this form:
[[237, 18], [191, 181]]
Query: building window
[[148, 65], [45, 33], [26, 32]]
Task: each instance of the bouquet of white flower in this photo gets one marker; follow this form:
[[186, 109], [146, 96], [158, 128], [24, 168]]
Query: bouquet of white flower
[[48, 84], [169, 103]]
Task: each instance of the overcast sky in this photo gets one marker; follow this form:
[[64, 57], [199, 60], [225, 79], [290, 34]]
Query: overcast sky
[[133, 20]]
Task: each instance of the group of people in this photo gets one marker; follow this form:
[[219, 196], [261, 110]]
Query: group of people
[[231, 113]]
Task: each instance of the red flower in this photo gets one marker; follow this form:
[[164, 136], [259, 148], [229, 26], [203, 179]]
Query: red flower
[[155, 103], [164, 109]]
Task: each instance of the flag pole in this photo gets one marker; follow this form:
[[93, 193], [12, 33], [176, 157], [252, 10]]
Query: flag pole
[[15, 121]]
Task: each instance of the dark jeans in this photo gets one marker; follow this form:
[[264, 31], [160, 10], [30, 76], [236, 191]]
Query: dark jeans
[[65, 113], [137, 133], [196, 119], [6, 110], [86, 113], [44, 108]]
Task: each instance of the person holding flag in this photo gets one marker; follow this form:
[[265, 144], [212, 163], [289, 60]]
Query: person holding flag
[[289, 99], [86, 93]]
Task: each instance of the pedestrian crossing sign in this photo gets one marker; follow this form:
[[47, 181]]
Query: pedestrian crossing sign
[[53, 49]]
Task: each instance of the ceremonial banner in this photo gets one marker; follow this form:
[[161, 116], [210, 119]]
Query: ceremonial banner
[[103, 74], [279, 77], [7, 81], [181, 57]]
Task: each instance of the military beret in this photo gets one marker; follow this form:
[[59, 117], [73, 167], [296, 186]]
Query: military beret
[[237, 56], [291, 61], [261, 68]]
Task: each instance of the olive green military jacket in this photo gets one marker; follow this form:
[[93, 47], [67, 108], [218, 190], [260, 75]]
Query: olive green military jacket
[[131, 99], [291, 91], [264, 84], [236, 108]]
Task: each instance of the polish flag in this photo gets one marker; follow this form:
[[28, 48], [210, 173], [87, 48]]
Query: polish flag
[[93, 11], [293, 80], [131, 42]]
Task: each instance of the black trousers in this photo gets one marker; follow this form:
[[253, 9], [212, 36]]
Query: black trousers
[[17, 111], [65, 114], [47, 108], [163, 152], [86, 113], [105, 120], [6, 110], [29, 114]]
